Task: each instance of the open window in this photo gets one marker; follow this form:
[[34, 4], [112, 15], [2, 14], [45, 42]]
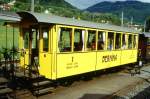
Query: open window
[[124, 41], [26, 38], [79, 39], [129, 41], [118, 41], [45, 34], [110, 41], [65, 39], [91, 40], [101, 40], [134, 41]]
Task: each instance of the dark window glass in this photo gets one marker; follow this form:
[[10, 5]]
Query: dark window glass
[[130, 41], [124, 41], [78, 39], [34, 38], [110, 41], [118, 41], [26, 38], [91, 42], [134, 41], [101, 40]]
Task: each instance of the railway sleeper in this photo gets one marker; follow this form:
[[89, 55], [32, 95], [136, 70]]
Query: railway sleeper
[[43, 91], [40, 85], [134, 69], [5, 91]]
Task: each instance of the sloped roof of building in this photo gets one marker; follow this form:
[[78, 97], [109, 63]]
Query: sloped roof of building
[[9, 16]]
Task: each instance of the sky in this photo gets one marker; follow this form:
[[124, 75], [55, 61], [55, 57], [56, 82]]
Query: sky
[[82, 4]]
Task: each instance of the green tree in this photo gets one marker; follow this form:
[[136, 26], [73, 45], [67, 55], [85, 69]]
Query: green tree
[[147, 27]]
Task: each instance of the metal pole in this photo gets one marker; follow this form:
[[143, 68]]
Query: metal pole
[[6, 52], [122, 18], [6, 36], [13, 51], [144, 25], [131, 21], [32, 6]]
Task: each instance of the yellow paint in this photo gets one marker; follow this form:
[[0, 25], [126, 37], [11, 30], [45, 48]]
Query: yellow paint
[[104, 59], [75, 63], [128, 56], [45, 64], [24, 53], [55, 64]]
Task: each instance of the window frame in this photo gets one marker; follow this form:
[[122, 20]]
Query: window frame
[[120, 40], [58, 36], [41, 33], [24, 30], [130, 48], [105, 47], [136, 41], [83, 43], [86, 41], [113, 40], [126, 41]]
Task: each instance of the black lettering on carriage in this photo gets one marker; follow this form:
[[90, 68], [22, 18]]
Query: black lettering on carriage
[[72, 65], [109, 58]]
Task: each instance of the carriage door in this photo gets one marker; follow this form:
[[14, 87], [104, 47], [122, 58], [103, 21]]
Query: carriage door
[[30, 46], [25, 48], [34, 45], [44, 54]]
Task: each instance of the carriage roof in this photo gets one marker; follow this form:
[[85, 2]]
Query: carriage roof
[[53, 19]]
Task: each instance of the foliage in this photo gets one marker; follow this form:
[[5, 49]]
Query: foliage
[[8, 53], [147, 27], [136, 9], [63, 8]]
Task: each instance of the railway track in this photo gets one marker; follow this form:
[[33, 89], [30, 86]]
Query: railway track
[[41, 86]]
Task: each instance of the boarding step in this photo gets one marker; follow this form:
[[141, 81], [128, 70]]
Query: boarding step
[[3, 86], [5, 91], [3, 80], [43, 91], [42, 83]]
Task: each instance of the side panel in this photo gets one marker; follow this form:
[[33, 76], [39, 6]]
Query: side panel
[[75, 63], [45, 64], [128, 56], [24, 58], [107, 59]]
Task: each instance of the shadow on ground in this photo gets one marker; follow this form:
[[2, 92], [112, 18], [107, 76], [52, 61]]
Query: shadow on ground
[[99, 96]]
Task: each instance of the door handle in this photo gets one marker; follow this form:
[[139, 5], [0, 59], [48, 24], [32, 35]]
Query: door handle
[[72, 59], [44, 55]]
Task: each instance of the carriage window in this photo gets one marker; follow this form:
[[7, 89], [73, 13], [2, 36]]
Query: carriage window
[[65, 38], [130, 41], [45, 32], [124, 41], [110, 41], [101, 40], [91, 40], [134, 41], [118, 41], [78, 39], [34, 38], [26, 39]]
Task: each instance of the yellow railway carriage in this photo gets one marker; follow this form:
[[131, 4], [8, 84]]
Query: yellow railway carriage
[[66, 47]]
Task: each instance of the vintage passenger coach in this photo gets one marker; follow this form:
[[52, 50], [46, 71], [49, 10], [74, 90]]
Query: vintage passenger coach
[[65, 47]]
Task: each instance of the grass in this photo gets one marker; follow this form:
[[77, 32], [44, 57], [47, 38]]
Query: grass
[[9, 39]]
